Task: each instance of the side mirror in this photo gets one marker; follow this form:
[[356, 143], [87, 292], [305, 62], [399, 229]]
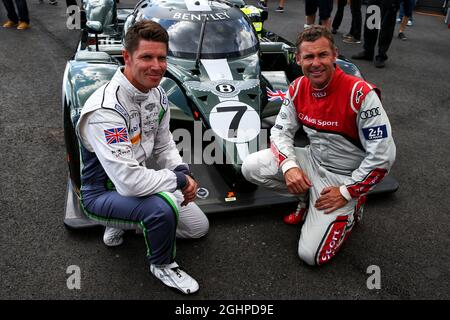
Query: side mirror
[[96, 28], [289, 49]]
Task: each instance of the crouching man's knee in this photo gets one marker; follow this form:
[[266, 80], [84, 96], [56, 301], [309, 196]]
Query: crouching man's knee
[[258, 166], [163, 210], [197, 229], [192, 223], [318, 255], [248, 166], [202, 230], [307, 255]]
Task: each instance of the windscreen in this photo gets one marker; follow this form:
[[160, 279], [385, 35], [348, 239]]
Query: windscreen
[[227, 34]]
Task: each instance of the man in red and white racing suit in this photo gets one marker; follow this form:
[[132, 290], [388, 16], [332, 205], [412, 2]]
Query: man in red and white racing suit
[[351, 146]]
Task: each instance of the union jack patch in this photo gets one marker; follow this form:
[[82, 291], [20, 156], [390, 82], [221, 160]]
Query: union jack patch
[[116, 135], [275, 95]]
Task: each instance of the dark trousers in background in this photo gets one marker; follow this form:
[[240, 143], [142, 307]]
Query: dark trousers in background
[[22, 10], [337, 20], [388, 15], [71, 3], [355, 7], [356, 28]]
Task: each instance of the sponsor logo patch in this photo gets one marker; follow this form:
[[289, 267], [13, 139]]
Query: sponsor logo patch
[[122, 153], [374, 112], [164, 101], [116, 135], [277, 126], [319, 94], [333, 241], [136, 139], [375, 133], [121, 110], [359, 94], [317, 122]]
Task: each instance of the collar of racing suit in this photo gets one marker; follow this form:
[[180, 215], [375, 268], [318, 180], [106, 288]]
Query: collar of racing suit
[[135, 94]]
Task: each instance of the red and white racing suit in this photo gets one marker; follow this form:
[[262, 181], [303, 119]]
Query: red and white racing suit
[[351, 147]]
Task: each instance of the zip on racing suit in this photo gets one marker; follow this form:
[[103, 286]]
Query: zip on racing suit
[[119, 129], [351, 147]]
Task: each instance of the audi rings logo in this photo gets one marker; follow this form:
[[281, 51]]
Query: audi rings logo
[[319, 94], [202, 193], [370, 113]]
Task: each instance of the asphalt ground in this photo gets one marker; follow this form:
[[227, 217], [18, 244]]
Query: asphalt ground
[[246, 255]]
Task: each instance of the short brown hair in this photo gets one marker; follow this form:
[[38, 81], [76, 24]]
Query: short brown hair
[[312, 34], [147, 30]]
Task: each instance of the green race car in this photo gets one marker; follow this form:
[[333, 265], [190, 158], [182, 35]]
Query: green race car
[[226, 79]]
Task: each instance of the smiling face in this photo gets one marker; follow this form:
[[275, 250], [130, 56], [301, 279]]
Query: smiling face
[[317, 59], [146, 65]]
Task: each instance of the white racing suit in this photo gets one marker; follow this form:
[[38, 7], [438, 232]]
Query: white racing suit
[[119, 129], [351, 147]]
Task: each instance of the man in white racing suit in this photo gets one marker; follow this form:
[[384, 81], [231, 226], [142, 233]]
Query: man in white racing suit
[[122, 124], [351, 146]]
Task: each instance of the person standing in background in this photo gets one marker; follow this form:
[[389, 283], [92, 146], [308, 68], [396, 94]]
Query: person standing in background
[[354, 35], [263, 4], [338, 15], [388, 13], [407, 6], [20, 20], [325, 8], [401, 13]]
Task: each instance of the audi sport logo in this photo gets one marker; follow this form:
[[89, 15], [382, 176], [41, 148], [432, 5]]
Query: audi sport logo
[[370, 113]]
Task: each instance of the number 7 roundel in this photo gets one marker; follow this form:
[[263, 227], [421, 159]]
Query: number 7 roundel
[[235, 121]]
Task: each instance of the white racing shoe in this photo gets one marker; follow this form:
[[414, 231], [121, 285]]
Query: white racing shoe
[[113, 237], [172, 276]]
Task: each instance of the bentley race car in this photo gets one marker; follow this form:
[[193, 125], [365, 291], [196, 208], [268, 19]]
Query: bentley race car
[[225, 80]]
